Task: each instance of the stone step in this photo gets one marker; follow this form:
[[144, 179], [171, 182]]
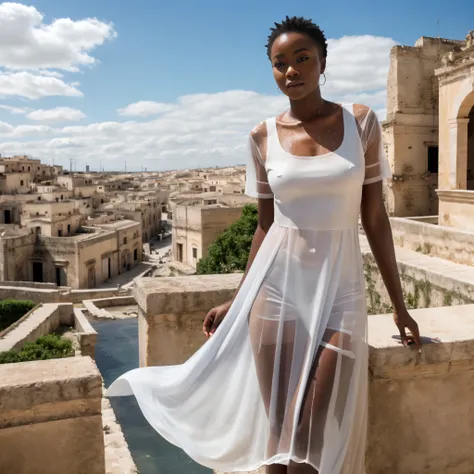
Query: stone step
[[95, 311]]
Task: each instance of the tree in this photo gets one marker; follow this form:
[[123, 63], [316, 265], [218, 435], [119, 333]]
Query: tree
[[230, 251]]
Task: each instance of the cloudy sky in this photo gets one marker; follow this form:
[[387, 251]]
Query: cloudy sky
[[167, 85]]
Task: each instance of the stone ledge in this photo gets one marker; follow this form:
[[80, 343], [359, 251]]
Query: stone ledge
[[86, 334], [34, 392], [448, 331], [446, 275], [184, 294], [43, 320]]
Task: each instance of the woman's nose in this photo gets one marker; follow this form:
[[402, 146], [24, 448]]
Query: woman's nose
[[291, 72]]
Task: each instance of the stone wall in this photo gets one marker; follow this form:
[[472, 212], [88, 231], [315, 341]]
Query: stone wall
[[15, 255], [45, 319], [422, 288], [51, 419], [38, 295], [412, 126], [52, 251], [172, 309], [411, 394], [434, 240]]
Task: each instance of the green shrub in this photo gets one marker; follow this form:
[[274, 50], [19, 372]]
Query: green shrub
[[230, 251], [12, 310], [51, 346]]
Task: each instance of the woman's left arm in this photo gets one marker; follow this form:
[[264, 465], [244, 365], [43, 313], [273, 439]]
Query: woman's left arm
[[379, 233]]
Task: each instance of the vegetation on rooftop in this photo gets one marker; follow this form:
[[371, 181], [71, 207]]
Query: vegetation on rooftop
[[12, 310], [51, 346], [230, 251]]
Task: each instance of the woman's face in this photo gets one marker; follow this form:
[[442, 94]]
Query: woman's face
[[297, 64]]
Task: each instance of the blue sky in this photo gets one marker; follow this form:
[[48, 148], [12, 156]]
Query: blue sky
[[160, 51]]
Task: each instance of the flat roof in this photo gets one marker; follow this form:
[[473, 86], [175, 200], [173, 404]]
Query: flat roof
[[122, 224]]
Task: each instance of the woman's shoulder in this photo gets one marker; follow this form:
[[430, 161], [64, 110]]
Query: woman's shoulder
[[363, 112], [259, 132]]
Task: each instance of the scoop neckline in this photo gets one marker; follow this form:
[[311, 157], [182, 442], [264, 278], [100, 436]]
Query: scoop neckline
[[308, 157]]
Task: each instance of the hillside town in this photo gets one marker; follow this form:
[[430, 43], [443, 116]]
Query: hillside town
[[88, 249], [81, 230]]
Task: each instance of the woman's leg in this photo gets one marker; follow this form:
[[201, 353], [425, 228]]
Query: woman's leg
[[273, 344], [319, 390]]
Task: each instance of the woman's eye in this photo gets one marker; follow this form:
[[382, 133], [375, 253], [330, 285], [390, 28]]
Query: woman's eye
[[278, 65], [303, 58]]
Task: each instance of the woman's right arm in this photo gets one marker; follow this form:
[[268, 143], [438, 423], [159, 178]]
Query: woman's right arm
[[265, 220], [256, 186]]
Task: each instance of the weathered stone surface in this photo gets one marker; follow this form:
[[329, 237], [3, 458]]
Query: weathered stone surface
[[50, 417], [34, 392], [172, 310], [184, 294], [72, 446], [43, 320], [455, 245], [118, 459]]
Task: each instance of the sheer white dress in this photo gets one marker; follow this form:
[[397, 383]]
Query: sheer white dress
[[284, 378]]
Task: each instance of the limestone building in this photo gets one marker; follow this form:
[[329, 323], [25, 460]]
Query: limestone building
[[84, 259], [196, 226], [456, 137], [428, 134]]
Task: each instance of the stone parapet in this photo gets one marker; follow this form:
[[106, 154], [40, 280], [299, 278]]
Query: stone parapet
[[420, 405], [171, 311], [50, 417], [455, 245], [415, 399], [46, 319]]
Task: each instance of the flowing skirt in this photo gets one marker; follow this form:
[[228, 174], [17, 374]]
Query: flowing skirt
[[284, 378]]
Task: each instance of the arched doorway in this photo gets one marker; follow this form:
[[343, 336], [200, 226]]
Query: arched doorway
[[470, 151], [465, 143]]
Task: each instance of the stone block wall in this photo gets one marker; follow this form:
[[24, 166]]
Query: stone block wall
[[434, 240], [50, 417]]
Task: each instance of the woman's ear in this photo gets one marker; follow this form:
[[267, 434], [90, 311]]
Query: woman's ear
[[323, 65]]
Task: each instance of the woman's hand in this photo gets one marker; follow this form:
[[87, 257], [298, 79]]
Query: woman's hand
[[403, 320], [214, 318]]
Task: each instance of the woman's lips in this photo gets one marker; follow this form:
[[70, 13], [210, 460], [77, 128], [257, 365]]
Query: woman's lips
[[294, 84]]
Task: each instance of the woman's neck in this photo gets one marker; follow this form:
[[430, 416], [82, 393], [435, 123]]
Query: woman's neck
[[309, 108]]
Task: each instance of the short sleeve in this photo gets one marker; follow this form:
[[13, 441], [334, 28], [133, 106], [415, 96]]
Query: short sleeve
[[377, 166], [256, 180]]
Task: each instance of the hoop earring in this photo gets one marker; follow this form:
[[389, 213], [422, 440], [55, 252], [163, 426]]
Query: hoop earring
[[324, 80]]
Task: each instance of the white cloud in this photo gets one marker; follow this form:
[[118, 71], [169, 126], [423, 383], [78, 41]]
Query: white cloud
[[32, 51], [56, 115], [201, 129], [357, 64], [145, 108], [5, 127], [26, 42], [31, 86], [14, 110]]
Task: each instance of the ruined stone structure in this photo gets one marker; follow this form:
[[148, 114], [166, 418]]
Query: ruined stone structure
[[429, 131], [412, 127]]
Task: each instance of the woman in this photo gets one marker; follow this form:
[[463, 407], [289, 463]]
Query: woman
[[283, 379]]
